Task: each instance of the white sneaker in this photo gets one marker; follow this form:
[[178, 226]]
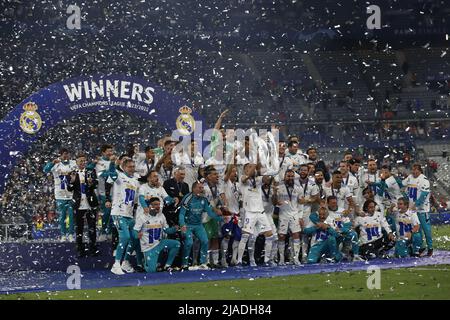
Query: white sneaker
[[63, 239], [126, 266], [203, 267], [70, 238], [297, 262], [233, 261], [252, 263], [116, 269], [357, 257], [193, 268], [281, 263], [224, 263], [304, 259]]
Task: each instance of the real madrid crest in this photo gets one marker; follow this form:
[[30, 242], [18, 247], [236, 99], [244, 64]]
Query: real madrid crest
[[185, 122], [30, 120]]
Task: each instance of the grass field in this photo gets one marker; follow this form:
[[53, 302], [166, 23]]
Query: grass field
[[431, 282]]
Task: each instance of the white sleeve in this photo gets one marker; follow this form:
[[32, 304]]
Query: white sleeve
[[424, 185], [139, 223], [164, 193], [405, 182], [314, 190], [164, 222], [385, 225], [348, 193], [415, 219]]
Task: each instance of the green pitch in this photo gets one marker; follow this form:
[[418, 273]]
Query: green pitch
[[431, 282]]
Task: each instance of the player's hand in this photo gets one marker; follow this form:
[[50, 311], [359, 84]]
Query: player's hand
[[302, 201], [140, 234], [113, 158], [183, 229], [147, 210], [391, 236], [223, 114], [345, 212], [56, 161], [108, 204], [322, 226], [301, 222], [408, 235], [177, 201]]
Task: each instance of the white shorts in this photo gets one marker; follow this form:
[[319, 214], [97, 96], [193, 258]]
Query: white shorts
[[253, 220], [289, 223], [271, 223]]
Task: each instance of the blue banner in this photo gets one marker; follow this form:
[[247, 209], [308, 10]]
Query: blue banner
[[43, 110]]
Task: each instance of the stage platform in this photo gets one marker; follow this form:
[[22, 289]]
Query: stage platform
[[38, 281], [50, 256]]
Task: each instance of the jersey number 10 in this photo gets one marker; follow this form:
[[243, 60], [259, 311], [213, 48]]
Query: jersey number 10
[[154, 235], [129, 195], [372, 232]]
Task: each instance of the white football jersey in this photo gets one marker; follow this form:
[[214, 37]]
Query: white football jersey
[[393, 192], [336, 219], [165, 173], [150, 192], [124, 192], [308, 189], [414, 187], [213, 195], [372, 177], [352, 183], [342, 194], [285, 164], [405, 222], [252, 194], [232, 194], [267, 199], [370, 227], [101, 166], [289, 196], [60, 172], [152, 228], [295, 160], [144, 167]]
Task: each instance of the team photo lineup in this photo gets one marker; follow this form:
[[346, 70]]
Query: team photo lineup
[[176, 211], [225, 149]]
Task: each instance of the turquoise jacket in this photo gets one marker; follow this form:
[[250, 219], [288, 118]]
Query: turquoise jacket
[[192, 208]]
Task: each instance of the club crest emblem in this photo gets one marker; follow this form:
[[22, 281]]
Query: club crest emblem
[[30, 120], [185, 122]]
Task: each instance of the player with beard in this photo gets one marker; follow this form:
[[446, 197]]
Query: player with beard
[[309, 197]]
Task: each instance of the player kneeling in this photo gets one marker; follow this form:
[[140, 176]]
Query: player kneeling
[[149, 228], [370, 224], [323, 239], [409, 238]]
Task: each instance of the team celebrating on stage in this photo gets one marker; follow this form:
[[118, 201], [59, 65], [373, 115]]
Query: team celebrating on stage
[[179, 211]]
